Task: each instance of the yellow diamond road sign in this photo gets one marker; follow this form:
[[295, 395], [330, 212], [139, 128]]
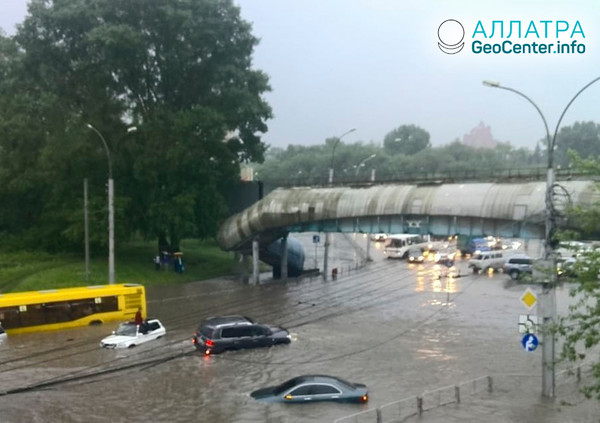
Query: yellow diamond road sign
[[529, 299]]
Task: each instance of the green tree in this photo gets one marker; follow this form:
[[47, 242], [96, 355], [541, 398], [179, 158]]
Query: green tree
[[581, 137], [580, 329], [406, 139], [179, 70]]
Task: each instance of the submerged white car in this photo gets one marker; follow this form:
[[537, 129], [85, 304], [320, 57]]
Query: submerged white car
[[129, 334]]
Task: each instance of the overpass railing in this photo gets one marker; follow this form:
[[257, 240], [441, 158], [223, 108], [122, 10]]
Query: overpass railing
[[432, 176]]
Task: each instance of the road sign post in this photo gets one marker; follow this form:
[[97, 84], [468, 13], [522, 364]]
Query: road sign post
[[529, 342]]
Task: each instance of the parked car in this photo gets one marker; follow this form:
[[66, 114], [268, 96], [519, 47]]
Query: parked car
[[218, 334], [310, 388], [415, 255], [128, 334], [518, 265], [485, 260], [2, 332]]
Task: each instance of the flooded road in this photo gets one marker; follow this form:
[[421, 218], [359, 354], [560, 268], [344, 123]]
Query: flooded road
[[400, 329]]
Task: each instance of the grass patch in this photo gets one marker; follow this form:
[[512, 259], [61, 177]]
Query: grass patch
[[28, 271]]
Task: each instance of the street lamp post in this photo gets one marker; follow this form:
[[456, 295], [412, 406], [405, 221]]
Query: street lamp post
[[327, 234], [111, 209], [337, 141], [361, 164], [549, 288]]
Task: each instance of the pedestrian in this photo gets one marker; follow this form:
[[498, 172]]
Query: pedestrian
[[157, 263], [138, 320]]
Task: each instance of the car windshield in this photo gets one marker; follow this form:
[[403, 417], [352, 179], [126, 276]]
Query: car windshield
[[126, 329]]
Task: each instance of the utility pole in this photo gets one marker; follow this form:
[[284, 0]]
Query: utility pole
[[548, 299]]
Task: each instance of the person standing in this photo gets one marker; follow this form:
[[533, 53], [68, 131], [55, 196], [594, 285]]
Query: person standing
[[138, 319]]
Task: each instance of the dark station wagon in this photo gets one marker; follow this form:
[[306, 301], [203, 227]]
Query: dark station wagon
[[218, 334]]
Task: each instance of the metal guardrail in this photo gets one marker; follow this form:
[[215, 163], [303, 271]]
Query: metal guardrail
[[432, 177], [401, 410]]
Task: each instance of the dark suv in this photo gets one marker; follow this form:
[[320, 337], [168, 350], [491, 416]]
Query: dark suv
[[218, 334], [518, 264]]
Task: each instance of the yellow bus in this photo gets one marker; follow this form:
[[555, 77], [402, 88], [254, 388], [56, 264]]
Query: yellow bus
[[53, 309]]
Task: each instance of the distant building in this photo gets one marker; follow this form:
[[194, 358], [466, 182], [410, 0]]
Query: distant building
[[480, 137]]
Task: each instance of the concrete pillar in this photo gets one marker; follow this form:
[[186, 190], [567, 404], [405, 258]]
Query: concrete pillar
[[255, 268], [284, 261]]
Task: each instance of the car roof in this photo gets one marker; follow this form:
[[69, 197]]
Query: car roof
[[320, 378], [227, 320], [520, 256]]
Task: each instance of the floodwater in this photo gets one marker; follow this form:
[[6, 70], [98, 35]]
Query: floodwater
[[400, 329]]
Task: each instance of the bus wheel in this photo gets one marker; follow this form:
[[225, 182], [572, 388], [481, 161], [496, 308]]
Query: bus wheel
[[95, 322]]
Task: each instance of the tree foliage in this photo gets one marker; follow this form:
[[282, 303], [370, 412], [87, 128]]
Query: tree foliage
[[581, 137], [407, 140], [178, 70], [580, 329], [310, 164]]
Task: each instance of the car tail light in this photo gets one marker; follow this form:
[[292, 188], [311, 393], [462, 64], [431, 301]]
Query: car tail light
[[364, 398], [194, 341], [209, 343]]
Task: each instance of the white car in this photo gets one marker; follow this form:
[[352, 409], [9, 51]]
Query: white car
[[2, 333], [129, 334], [485, 260]]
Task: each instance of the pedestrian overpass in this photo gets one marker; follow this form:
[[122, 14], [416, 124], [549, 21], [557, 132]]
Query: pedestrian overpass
[[515, 210]]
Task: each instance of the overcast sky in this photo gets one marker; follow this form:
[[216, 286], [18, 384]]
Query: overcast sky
[[374, 65]]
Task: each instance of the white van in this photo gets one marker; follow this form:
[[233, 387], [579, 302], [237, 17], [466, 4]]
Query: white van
[[485, 260]]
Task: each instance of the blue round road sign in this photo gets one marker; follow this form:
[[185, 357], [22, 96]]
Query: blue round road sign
[[529, 342]]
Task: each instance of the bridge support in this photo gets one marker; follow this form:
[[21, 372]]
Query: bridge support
[[284, 259], [255, 268]]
